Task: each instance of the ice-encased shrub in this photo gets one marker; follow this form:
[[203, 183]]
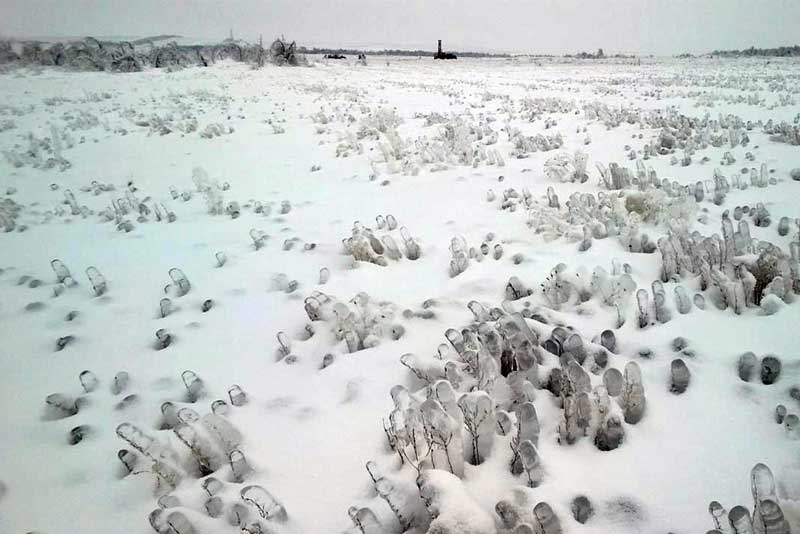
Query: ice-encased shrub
[[409, 510], [361, 323], [529, 458], [524, 145], [527, 424], [479, 420], [565, 287], [208, 443], [567, 167], [207, 457], [732, 281], [499, 354], [615, 177], [767, 514], [364, 244], [656, 207], [607, 214], [783, 132], [161, 459]]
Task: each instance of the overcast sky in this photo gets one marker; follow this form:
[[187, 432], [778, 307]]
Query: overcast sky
[[546, 26]]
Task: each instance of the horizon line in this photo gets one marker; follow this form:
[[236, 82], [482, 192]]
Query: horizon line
[[379, 47]]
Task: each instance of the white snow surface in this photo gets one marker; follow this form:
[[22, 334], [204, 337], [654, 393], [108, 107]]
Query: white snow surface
[[308, 432]]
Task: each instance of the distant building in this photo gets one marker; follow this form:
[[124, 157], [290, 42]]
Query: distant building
[[443, 55]]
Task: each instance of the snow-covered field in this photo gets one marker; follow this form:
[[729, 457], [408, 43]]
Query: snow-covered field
[[329, 225]]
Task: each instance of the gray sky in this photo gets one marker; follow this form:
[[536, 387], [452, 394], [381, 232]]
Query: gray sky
[[546, 26]]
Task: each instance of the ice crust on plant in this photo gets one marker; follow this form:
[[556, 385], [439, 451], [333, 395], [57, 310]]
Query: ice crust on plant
[[481, 391], [364, 245], [567, 167], [205, 447], [358, 324]]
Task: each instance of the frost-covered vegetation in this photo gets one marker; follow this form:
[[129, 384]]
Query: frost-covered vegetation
[[489, 297], [91, 54]]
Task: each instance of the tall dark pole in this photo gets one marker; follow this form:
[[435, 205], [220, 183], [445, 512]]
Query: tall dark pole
[[440, 47]]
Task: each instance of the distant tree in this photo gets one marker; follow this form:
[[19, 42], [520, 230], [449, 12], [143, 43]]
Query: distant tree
[[782, 51], [600, 54]]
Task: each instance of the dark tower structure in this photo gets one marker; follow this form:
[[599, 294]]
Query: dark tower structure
[[443, 55]]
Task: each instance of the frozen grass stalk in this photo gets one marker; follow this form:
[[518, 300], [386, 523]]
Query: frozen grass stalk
[[265, 504], [239, 466], [770, 370], [163, 339], [165, 307], [237, 396], [633, 395], [88, 381], [479, 420], [679, 376], [221, 258], [97, 280], [63, 275], [194, 385], [179, 282]]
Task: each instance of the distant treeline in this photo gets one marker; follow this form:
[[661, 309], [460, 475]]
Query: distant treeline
[[91, 54], [154, 38], [388, 52], [598, 55], [782, 51]]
